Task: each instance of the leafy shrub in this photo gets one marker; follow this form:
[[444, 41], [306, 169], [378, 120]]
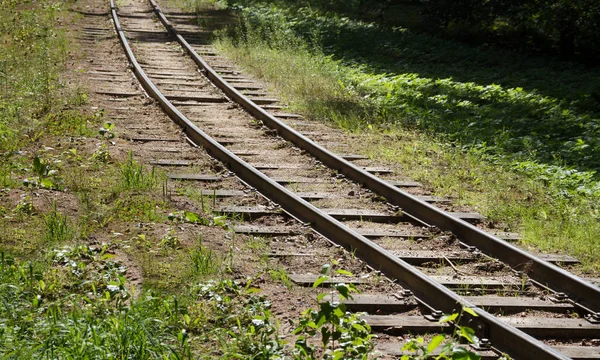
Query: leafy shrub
[[344, 335]]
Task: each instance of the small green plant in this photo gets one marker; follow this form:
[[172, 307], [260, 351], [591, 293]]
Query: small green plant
[[240, 321], [204, 261], [134, 176], [25, 206], [106, 131], [42, 169], [170, 241], [101, 155], [220, 221], [58, 227], [189, 217], [280, 274], [344, 335], [451, 348]]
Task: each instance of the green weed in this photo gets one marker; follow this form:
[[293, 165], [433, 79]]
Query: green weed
[[200, 5], [59, 228], [137, 208], [170, 241], [450, 348], [30, 61], [135, 176], [245, 327], [204, 261], [344, 335], [76, 305], [279, 274]]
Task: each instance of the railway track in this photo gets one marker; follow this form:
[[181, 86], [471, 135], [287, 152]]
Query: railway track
[[437, 260]]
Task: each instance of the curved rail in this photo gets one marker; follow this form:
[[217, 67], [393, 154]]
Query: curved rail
[[503, 336], [579, 290]]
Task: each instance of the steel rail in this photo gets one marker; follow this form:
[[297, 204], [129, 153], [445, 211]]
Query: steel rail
[[578, 290], [503, 336]]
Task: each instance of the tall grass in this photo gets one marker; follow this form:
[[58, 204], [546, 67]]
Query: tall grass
[[199, 5], [33, 102], [78, 309]]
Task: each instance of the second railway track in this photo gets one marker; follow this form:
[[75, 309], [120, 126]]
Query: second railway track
[[339, 200]]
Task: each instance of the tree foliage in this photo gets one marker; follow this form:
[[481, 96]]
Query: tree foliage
[[569, 26]]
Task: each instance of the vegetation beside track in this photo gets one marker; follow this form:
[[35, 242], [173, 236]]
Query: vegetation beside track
[[514, 136], [81, 225]]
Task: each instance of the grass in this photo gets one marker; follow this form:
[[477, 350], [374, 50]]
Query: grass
[[58, 227], [205, 262], [513, 136], [82, 309], [30, 49], [280, 275], [136, 177]]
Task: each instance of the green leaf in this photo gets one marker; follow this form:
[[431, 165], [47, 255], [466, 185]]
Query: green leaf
[[434, 343], [460, 353], [320, 280], [322, 320], [343, 272], [107, 256], [447, 318], [359, 327], [410, 346], [325, 269], [47, 183], [470, 311], [37, 166], [193, 217], [220, 221], [325, 335], [320, 297], [468, 334], [343, 290]]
